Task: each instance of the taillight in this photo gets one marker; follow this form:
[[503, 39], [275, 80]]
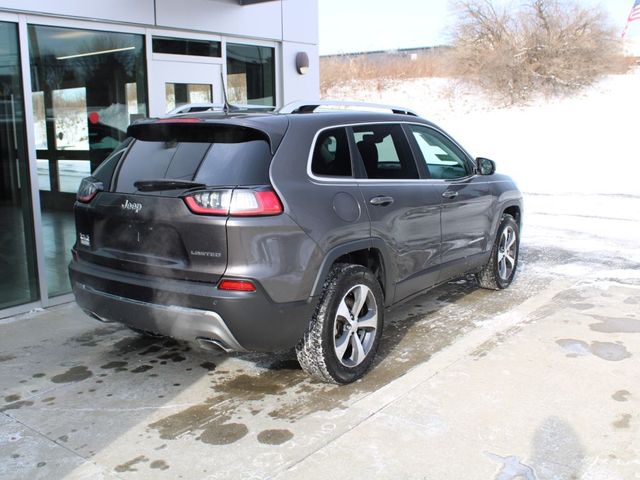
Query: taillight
[[242, 202], [89, 188], [237, 285], [214, 202]]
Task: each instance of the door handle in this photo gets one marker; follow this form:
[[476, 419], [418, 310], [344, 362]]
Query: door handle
[[381, 201], [450, 194]]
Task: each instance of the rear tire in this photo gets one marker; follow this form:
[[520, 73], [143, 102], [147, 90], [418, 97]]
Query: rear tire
[[344, 333], [499, 271]]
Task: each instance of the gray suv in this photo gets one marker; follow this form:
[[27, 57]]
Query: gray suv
[[268, 231]]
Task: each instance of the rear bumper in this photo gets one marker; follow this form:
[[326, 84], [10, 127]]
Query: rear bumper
[[186, 310]]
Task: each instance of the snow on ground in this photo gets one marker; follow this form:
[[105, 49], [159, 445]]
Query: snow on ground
[[576, 159], [586, 143]]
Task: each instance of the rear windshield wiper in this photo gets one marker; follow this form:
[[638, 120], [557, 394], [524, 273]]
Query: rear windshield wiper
[[165, 184]]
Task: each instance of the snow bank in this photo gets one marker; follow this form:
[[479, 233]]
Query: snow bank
[[586, 143]]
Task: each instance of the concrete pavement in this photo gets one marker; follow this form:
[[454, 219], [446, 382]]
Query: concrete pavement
[[539, 381]]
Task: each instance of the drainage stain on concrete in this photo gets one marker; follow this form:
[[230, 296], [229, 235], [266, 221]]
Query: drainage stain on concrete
[[223, 434], [512, 468], [142, 368], [210, 366], [205, 420], [574, 348], [91, 338], [615, 325], [274, 437], [74, 374], [623, 421], [151, 349], [621, 396], [16, 405], [128, 466], [613, 352], [6, 358], [12, 398], [38, 375], [118, 365], [159, 465]]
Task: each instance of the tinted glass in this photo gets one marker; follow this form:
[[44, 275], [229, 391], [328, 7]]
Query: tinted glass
[[87, 87], [211, 163], [385, 152], [18, 280], [331, 154], [180, 46], [443, 159], [251, 75]]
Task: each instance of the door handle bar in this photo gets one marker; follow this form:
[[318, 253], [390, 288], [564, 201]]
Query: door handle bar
[[381, 201]]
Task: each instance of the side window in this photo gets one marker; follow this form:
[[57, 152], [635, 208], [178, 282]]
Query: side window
[[385, 152], [331, 154], [443, 159]]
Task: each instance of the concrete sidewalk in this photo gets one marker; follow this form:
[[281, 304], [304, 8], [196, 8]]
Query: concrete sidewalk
[[538, 381]]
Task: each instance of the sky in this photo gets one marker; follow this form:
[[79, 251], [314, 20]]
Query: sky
[[348, 26]]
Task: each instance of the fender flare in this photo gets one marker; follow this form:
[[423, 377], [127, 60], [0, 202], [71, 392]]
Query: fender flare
[[365, 244]]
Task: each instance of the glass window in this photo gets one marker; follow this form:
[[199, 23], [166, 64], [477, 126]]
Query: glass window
[[225, 157], [443, 159], [180, 46], [18, 279], [178, 94], [331, 155], [385, 152], [251, 75], [87, 87], [71, 173], [70, 119]]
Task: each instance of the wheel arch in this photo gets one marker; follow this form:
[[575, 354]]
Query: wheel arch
[[370, 253]]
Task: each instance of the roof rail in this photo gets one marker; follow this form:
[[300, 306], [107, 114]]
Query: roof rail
[[205, 107], [304, 106]]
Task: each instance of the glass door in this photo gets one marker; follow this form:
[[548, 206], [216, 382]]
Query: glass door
[[176, 83], [18, 280], [88, 86]]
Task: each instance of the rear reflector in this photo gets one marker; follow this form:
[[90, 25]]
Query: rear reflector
[[237, 285]]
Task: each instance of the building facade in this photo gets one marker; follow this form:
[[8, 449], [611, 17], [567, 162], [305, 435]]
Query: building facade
[[74, 74]]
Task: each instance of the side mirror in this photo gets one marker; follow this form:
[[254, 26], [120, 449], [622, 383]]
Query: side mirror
[[486, 166]]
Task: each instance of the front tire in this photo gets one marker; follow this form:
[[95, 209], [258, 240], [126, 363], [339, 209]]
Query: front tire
[[344, 333], [499, 271]]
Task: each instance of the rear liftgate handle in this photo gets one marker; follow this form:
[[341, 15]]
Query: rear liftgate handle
[[381, 201]]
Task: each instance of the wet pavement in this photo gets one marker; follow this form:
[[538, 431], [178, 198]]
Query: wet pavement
[[537, 381]]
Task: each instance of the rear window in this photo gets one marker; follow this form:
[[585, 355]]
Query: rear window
[[239, 158]]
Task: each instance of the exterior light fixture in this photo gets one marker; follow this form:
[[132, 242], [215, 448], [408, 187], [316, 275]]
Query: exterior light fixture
[[302, 63]]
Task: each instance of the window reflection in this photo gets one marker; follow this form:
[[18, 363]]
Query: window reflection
[[70, 119], [251, 75], [87, 87], [18, 281], [178, 94]]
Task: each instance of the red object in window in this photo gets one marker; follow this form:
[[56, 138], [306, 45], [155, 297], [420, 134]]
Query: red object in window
[[94, 117], [237, 285]]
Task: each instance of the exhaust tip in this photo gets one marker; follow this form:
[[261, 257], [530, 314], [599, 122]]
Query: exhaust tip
[[95, 316], [213, 344]]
